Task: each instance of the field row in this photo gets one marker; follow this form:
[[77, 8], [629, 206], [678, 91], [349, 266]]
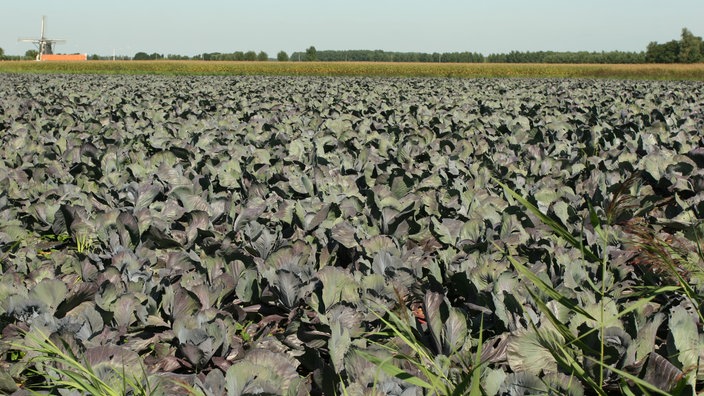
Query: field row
[[464, 70]]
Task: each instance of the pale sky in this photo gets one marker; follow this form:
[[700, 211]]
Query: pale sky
[[491, 26]]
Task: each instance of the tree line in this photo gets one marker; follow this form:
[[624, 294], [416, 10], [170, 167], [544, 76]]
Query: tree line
[[311, 54], [688, 49], [567, 57]]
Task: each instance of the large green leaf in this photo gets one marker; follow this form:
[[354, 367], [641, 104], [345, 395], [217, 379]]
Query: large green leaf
[[51, 292], [527, 353], [685, 336], [338, 345]]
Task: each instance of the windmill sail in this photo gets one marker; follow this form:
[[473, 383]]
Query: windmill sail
[[44, 45]]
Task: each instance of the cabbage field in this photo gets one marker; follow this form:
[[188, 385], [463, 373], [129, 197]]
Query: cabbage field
[[350, 235]]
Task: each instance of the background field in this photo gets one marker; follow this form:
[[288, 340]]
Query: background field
[[642, 71]]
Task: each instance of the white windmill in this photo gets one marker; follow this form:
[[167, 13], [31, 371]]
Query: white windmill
[[44, 45]]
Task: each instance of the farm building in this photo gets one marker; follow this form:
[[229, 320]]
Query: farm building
[[63, 57]]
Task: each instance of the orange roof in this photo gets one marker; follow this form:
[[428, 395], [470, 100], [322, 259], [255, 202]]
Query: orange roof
[[62, 57]]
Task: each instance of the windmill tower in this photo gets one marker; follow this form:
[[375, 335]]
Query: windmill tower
[[44, 45]]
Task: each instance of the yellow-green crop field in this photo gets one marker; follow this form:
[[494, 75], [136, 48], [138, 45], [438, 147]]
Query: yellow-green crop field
[[458, 70]]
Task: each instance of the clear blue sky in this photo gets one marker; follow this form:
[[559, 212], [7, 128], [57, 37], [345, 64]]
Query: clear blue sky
[[487, 26]]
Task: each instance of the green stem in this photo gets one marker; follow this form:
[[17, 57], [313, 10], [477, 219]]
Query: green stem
[[604, 258]]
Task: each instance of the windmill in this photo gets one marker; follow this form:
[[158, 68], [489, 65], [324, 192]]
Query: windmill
[[44, 45]]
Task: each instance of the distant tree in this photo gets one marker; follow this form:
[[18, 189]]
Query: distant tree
[[250, 56], [663, 53], [94, 57], [651, 52], [155, 56], [311, 54], [262, 56], [141, 56], [235, 56], [2, 53], [690, 47], [670, 52], [31, 54], [282, 56]]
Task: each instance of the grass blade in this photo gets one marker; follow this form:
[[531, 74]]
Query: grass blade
[[547, 289], [556, 226], [476, 368], [391, 369], [638, 381]]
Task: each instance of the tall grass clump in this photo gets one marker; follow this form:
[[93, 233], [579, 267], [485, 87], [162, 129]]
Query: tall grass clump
[[615, 354], [415, 363], [62, 370]]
